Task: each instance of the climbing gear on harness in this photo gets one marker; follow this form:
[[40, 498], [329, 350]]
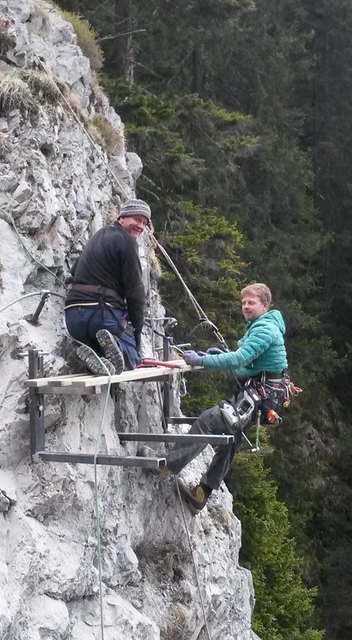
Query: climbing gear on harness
[[197, 497], [94, 363], [291, 390], [111, 351], [243, 411], [273, 418]]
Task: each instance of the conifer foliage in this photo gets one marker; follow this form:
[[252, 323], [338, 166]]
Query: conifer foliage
[[269, 551]]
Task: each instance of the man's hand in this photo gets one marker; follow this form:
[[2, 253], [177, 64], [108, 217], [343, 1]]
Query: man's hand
[[192, 358]]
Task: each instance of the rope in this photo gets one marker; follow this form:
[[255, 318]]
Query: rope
[[193, 560], [198, 309], [202, 316], [96, 493], [97, 514], [154, 331], [185, 525]]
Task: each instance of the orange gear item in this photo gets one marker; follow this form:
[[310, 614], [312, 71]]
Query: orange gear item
[[273, 417]]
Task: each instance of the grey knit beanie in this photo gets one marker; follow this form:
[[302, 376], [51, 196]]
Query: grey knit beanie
[[135, 208]]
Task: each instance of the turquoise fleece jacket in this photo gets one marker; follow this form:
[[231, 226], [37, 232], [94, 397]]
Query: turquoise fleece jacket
[[262, 348]]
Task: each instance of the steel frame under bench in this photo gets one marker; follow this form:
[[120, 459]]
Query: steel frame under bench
[[78, 384]]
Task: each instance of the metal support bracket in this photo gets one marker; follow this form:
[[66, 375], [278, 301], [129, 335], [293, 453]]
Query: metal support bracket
[[37, 424], [36, 403], [37, 429], [34, 318]]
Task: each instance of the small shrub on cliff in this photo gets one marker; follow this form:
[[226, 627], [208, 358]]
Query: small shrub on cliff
[[111, 137], [86, 39], [15, 94], [176, 625], [41, 85]]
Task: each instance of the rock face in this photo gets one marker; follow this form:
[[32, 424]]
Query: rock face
[[56, 188]]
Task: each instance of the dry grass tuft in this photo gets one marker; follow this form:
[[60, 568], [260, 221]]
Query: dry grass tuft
[[42, 85], [168, 563], [176, 623], [15, 94], [109, 137]]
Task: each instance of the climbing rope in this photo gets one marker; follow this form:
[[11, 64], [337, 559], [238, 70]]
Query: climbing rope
[[97, 505], [198, 309], [7, 216], [193, 560], [96, 492]]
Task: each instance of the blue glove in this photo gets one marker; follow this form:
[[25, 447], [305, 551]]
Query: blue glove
[[192, 358], [213, 351]]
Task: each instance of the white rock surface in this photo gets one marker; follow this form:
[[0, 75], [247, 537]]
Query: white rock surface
[[58, 188]]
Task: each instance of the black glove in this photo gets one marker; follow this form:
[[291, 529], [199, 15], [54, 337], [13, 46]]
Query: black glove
[[213, 351]]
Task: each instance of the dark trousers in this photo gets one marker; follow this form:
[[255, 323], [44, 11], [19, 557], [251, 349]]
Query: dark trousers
[[212, 421], [84, 322]]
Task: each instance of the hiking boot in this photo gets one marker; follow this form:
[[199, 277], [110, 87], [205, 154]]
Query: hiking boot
[[111, 351], [93, 362], [197, 497]]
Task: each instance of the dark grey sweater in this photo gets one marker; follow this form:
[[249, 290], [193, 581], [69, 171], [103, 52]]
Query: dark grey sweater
[[110, 259]]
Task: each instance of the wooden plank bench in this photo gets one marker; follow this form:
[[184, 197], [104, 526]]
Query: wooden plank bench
[[81, 381]]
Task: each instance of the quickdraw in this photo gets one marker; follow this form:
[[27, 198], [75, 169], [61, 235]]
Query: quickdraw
[[290, 390]]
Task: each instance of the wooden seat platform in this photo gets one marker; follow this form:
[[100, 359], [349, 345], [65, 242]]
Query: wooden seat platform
[[79, 381]]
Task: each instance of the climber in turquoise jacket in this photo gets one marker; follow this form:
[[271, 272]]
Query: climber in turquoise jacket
[[259, 364], [262, 348]]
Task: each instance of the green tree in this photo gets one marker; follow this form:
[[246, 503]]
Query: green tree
[[283, 605]]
